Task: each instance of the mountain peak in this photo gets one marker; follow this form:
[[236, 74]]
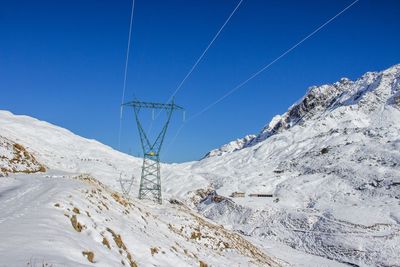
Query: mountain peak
[[372, 90]]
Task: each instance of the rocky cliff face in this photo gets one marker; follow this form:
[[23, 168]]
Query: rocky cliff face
[[369, 92]]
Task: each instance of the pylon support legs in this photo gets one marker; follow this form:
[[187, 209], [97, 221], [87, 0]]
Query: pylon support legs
[[150, 182]]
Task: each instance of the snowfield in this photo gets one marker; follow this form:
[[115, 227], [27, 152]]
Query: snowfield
[[328, 170]]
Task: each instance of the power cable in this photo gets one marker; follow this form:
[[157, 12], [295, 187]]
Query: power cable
[[200, 58], [197, 62], [271, 63], [261, 70], [204, 52], [125, 75]]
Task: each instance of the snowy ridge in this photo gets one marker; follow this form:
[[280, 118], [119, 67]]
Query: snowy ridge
[[61, 150], [231, 146]]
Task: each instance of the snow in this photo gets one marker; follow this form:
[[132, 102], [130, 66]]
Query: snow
[[331, 163]]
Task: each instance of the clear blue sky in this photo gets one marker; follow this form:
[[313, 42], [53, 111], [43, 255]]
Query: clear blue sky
[[62, 61]]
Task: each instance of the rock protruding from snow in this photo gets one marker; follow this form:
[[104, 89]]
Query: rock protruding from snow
[[231, 146], [14, 158]]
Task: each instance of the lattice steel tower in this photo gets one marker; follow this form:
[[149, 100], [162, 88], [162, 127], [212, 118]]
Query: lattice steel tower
[[150, 181]]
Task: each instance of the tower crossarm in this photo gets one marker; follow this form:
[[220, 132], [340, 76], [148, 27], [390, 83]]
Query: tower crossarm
[[151, 105]]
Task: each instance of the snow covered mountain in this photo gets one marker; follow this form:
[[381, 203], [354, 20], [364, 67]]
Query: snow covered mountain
[[320, 100], [366, 94], [332, 166]]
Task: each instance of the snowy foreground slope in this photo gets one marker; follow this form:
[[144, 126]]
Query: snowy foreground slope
[[70, 213], [67, 220], [332, 164]]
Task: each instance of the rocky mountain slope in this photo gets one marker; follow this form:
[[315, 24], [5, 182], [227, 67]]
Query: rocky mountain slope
[[366, 94], [332, 166]]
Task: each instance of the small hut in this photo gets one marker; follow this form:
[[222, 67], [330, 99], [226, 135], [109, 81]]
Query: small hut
[[237, 194]]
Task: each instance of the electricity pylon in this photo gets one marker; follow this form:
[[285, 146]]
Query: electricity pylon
[[150, 181], [126, 184]]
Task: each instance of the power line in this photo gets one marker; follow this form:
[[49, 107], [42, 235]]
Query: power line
[[262, 69], [197, 61], [174, 138], [271, 63], [125, 74], [204, 52]]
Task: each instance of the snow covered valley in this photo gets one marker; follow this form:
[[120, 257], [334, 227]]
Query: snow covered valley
[[325, 177]]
